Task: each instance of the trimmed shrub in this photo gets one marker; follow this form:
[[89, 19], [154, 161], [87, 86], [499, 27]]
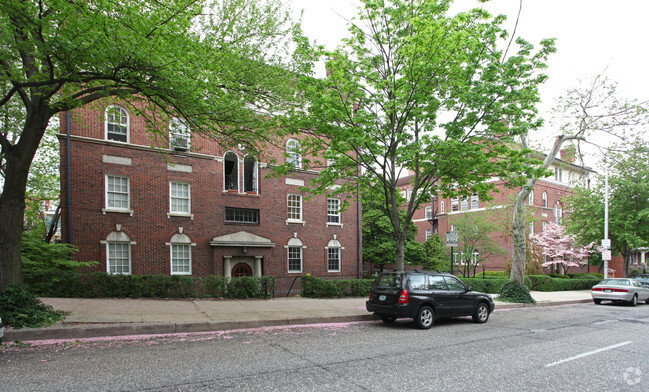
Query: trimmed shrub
[[20, 308], [490, 285], [516, 292], [314, 287]]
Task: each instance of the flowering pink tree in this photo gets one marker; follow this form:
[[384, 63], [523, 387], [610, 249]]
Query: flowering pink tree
[[561, 248]]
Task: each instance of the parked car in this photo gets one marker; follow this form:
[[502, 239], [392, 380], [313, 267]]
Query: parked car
[[620, 290], [643, 279], [425, 297], [2, 330]]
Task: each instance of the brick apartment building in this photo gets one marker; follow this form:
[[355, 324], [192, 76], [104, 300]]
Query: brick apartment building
[[546, 202], [186, 205]]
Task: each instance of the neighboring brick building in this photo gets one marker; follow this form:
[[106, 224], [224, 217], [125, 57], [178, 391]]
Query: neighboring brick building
[[186, 205], [546, 201]]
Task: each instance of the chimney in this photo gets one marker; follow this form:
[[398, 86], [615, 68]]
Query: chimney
[[568, 154]]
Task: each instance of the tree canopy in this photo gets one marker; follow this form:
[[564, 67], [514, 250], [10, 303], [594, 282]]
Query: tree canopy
[[416, 89], [628, 218], [221, 65]]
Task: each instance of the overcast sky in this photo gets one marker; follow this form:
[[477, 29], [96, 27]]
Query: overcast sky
[[593, 37]]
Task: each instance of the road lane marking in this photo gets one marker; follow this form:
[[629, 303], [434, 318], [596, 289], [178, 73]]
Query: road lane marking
[[588, 353]]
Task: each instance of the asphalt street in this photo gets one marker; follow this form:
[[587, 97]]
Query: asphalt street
[[560, 348]]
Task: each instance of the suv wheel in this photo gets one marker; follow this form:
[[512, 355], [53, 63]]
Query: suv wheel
[[481, 314], [425, 317], [388, 319]]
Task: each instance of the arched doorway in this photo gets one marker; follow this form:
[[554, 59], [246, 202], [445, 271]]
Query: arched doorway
[[241, 269]]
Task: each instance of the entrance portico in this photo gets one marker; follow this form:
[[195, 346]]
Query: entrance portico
[[246, 243]]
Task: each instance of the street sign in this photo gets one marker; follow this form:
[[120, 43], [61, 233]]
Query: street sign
[[606, 255], [452, 238], [606, 244]]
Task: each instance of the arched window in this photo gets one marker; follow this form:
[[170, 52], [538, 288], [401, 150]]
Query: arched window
[[241, 269], [179, 134], [117, 124], [333, 255], [181, 254], [545, 199], [118, 253], [294, 153], [231, 171], [530, 198], [250, 174], [294, 250]]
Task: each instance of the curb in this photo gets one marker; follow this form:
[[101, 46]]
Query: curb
[[126, 329]]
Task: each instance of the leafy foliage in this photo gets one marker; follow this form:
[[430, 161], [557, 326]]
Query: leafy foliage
[[20, 308], [314, 287], [515, 292], [437, 256], [416, 88], [628, 219]]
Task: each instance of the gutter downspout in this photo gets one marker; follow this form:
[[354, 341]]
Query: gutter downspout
[[68, 202]]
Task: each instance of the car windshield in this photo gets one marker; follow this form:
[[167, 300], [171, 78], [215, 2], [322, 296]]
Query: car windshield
[[617, 282], [388, 281]]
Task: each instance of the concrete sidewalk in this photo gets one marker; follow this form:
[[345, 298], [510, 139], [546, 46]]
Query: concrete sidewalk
[[116, 317]]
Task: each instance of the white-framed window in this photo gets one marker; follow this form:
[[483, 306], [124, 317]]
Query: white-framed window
[[429, 233], [428, 212], [333, 255], [544, 225], [117, 124], [179, 134], [294, 153], [230, 171], [408, 194], [180, 248], [453, 228], [333, 210], [558, 214], [295, 254], [180, 198], [475, 202], [558, 174], [118, 253], [544, 201], [530, 198], [455, 204], [117, 193], [294, 205], [442, 208], [250, 174], [465, 204], [531, 227]]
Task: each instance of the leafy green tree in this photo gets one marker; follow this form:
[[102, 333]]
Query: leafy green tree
[[378, 242], [476, 243], [219, 64], [628, 218], [417, 88], [437, 255]]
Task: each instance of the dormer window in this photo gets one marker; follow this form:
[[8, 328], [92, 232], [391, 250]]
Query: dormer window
[[179, 134], [117, 124]]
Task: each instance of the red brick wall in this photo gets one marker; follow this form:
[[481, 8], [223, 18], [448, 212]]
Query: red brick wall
[[151, 227]]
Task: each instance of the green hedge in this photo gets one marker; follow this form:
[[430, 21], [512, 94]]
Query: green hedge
[[490, 285], [102, 285], [314, 287]]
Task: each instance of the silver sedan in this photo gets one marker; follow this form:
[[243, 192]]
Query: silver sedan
[[620, 290]]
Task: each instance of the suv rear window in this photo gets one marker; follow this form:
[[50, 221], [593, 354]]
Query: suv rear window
[[388, 281]]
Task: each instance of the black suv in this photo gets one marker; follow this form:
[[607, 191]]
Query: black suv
[[425, 297]]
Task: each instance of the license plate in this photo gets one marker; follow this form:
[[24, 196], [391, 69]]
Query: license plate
[[381, 297], [607, 291]]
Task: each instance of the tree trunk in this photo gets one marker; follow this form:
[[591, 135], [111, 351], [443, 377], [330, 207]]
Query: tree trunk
[[400, 253], [519, 255], [18, 159]]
